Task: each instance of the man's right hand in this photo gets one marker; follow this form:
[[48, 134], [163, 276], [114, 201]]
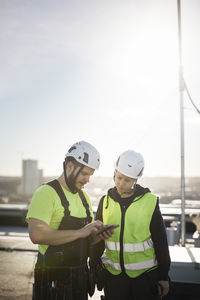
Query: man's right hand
[[91, 228], [41, 233]]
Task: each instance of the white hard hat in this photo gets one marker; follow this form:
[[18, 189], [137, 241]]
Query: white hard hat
[[130, 163], [85, 154]]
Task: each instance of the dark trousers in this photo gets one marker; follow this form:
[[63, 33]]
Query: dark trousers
[[73, 286], [122, 287]]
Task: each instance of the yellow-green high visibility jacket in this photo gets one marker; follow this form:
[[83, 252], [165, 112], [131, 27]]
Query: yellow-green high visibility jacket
[[130, 248]]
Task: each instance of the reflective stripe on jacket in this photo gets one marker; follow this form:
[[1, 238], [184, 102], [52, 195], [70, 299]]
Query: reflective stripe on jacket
[[130, 248]]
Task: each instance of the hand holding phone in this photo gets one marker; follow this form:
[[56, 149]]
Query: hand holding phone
[[107, 227]]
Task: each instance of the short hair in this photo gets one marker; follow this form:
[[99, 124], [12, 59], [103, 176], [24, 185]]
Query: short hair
[[72, 159]]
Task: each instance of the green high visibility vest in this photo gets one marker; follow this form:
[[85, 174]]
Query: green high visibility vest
[[132, 239]]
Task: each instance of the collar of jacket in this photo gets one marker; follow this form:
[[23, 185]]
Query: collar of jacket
[[139, 191]]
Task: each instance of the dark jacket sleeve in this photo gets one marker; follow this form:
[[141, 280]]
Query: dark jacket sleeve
[[99, 215], [159, 238]]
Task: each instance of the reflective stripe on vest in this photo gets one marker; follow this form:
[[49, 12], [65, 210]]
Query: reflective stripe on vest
[[130, 247], [147, 264]]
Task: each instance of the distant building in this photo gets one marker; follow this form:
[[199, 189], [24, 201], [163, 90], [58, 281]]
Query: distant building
[[31, 177], [9, 185]]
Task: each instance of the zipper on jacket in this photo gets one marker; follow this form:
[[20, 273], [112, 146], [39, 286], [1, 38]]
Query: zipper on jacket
[[123, 210]]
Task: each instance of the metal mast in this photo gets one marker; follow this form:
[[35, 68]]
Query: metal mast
[[181, 91]]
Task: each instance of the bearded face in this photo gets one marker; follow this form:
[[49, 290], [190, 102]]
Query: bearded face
[[77, 176]]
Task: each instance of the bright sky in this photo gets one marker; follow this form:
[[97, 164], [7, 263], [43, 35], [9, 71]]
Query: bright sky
[[101, 71]]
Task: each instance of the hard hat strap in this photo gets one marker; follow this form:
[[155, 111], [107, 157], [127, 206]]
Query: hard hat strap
[[70, 182]]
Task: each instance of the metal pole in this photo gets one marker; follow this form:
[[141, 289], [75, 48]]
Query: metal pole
[[181, 90]]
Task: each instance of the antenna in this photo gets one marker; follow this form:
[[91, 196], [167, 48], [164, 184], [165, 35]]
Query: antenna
[[181, 91]]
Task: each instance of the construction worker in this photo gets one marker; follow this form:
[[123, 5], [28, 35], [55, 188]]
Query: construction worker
[[60, 220], [136, 260]]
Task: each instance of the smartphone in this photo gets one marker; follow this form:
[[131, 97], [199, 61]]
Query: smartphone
[[107, 227]]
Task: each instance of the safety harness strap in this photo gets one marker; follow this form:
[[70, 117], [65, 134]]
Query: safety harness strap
[[65, 203], [56, 186], [86, 205]]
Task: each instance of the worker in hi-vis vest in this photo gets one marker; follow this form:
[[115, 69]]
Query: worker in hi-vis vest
[[61, 221], [136, 259]]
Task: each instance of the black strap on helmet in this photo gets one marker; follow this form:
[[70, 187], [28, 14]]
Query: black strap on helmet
[[71, 184]]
